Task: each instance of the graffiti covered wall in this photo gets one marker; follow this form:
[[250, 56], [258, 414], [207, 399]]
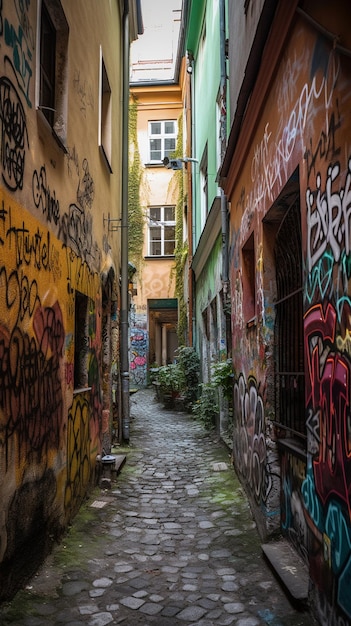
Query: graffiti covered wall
[[138, 355], [53, 247], [45, 430], [305, 125]]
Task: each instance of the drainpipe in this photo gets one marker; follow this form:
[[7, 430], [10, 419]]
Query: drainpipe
[[124, 326], [189, 170], [223, 130]]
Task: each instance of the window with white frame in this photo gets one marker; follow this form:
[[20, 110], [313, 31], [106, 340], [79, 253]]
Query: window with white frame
[[162, 139], [52, 86], [161, 231]]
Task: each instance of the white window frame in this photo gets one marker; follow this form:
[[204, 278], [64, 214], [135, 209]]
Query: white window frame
[[162, 136], [162, 224]]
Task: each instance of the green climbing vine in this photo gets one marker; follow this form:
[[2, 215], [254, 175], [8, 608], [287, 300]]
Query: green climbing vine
[[181, 247], [135, 214]]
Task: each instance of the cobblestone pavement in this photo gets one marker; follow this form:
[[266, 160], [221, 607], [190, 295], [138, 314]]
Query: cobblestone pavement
[[172, 543]]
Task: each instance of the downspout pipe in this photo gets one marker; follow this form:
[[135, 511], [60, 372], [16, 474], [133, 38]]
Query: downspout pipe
[[124, 324], [224, 201]]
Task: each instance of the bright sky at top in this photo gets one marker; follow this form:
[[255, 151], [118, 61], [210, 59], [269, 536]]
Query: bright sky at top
[[153, 55]]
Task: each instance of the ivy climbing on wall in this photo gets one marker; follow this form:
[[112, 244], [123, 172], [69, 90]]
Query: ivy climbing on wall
[[135, 214], [181, 247]]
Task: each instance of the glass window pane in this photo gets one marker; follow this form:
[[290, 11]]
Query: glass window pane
[[155, 248], [169, 213], [155, 241], [169, 128], [155, 149], [155, 128], [169, 233], [155, 233], [155, 214], [169, 247], [155, 156], [170, 145]]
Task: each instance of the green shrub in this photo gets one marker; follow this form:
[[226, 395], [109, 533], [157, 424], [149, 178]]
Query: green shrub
[[206, 407], [189, 364], [170, 378], [223, 377]]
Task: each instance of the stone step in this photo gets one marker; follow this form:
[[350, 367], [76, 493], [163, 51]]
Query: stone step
[[120, 461], [289, 567]]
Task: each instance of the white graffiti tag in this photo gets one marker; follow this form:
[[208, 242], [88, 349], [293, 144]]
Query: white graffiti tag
[[328, 217]]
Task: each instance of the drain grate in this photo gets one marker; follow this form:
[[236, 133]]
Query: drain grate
[[98, 504]]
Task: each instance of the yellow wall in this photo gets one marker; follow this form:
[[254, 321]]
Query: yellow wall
[[54, 240], [158, 188]]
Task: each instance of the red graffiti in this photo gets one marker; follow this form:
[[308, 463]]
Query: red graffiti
[[327, 388]]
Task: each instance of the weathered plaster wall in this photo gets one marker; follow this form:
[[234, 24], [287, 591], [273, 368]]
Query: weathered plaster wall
[[305, 123], [53, 243]]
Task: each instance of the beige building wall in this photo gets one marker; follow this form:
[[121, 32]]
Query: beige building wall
[[154, 306]]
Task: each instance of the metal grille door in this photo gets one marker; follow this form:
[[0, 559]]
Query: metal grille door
[[289, 355]]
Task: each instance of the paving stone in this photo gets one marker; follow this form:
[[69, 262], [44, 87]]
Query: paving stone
[[206, 524], [192, 613], [151, 608], [88, 609], [189, 587], [170, 611], [234, 607], [123, 568], [214, 614], [230, 586], [103, 582], [132, 603], [96, 593], [101, 619], [156, 598], [206, 603], [140, 594]]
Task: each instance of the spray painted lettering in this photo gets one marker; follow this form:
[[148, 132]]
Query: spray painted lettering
[[21, 57], [44, 199], [14, 137], [329, 217]]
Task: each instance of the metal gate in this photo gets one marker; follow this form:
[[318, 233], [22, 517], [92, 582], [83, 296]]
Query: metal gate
[[288, 335]]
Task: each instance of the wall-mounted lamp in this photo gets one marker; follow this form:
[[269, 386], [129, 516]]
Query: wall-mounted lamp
[[177, 164]]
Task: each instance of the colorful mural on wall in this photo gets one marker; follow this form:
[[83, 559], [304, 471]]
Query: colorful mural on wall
[[306, 124], [50, 432], [36, 390], [138, 355]]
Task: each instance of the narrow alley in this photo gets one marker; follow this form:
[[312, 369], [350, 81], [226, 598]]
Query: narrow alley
[[173, 542]]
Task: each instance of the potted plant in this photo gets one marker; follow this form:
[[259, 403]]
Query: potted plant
[[171, 380]]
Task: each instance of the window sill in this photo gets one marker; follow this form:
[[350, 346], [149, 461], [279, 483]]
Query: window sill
[[45, 124], [158, 257], [154, 164]]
